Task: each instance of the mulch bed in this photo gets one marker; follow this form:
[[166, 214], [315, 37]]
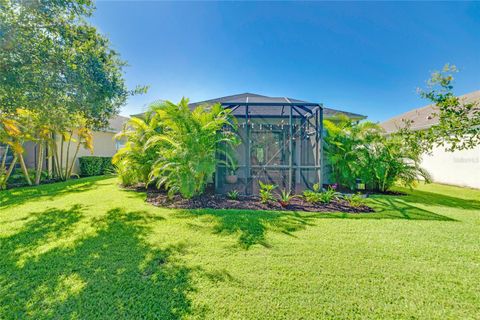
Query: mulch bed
[[215, 201]]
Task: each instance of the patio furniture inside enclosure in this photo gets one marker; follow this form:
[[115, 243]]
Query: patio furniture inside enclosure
[[280, 144]]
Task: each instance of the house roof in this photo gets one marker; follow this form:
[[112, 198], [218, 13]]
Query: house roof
[[260, 105], [424, 117], [116, 123]]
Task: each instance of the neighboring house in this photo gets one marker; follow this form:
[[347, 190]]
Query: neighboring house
[[104, 145], [281, 142], [460, 168]]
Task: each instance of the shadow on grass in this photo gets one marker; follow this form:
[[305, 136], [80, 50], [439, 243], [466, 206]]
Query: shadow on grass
[[437, 199], [252, 226], [19, 196], [112, 274], [398, 208]]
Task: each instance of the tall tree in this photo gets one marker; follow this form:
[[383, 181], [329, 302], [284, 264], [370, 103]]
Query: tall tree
[[52, 61], [50, 56]]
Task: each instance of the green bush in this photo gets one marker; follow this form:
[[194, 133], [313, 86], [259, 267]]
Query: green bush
[[355, 200], [363, 151], [312, 196], [95, 166], [318, 196], [107, 165]]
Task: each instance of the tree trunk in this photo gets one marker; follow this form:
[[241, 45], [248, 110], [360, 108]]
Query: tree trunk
[[67, 176], [49, 160], [38, 173], [61, 157], [24, 169], [74, 158], [4, 160], [8, 173], [56, 160]]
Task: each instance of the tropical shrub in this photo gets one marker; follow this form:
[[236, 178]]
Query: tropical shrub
[[391, 160], [134, 162], [285, 198], [232, 194], [312, 196], [316, 187], [363, 151], [344, 145], [317, 196], [329, 195], [188, 146], [355, 200], [266, 192], [127, 176]]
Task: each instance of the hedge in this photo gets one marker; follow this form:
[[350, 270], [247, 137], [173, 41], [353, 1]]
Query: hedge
[[95, 166]]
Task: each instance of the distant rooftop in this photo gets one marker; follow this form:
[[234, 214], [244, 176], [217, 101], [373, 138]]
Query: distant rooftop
[[271, 106], [424, 117], [116, 123]]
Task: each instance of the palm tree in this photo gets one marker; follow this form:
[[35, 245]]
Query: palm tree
[[363, 151], [12, 133], [345, 146], [134, 162], [8, 128], [84, 139], [188, 145]]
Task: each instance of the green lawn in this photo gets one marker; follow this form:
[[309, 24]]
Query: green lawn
[[87, 250]]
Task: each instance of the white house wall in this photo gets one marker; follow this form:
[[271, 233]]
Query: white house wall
[[461, 168], [104, 145]]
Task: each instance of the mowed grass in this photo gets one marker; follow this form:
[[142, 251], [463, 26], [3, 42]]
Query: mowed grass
[[86, 249]]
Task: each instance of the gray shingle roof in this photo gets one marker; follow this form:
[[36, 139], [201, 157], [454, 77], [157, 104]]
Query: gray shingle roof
[[279, 106], [251, 99], [423, 117], [258, 105]]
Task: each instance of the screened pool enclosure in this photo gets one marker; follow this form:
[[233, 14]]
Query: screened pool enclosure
[[281, 142]]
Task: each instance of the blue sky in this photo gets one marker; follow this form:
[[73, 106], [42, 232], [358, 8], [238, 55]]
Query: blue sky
[[367, 58]]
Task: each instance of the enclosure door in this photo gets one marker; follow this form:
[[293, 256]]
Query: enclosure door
[[269, 155], [268, 148]]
